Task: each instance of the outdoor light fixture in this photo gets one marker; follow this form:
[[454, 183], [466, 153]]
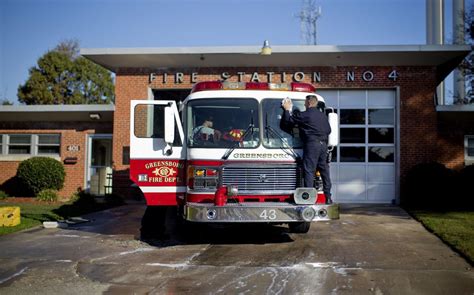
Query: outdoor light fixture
[[266, 49], [94, 116]]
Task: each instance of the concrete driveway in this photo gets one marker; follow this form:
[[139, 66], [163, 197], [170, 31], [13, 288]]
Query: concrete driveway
[[370, 250]]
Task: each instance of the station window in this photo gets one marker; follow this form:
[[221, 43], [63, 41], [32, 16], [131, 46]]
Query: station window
[[48, 144], [30, 144], [19, 144], [469, 148]]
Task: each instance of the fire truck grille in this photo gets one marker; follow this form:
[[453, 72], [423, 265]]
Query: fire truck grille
[[281, 179]]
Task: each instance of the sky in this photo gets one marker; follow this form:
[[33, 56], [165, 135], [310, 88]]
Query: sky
[[29, 28]]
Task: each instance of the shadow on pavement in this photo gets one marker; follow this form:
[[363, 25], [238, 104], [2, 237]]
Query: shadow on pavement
[[374, 210], [126, 221], [220, 234]]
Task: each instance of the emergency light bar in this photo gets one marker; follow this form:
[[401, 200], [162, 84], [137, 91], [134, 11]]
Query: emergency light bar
[[217, 85]]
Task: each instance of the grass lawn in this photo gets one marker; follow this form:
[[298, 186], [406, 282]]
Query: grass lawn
[[33, 212], [31, 215], [455, 228]]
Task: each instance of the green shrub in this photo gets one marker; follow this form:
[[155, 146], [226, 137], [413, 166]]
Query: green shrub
[[429, 185], [3, 195], [41, 173], [84, 199], [79, 204], [74, 197], [47, 195], [466, 195]]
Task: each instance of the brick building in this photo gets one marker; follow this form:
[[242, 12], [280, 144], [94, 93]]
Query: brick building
[[80, 136], [385, 95]]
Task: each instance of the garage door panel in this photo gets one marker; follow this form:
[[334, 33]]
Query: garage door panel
[[351, 192], [333, 170], [352, 173], [381, 173], [380, 193], [381, 98], [330, 97], [352, 98]]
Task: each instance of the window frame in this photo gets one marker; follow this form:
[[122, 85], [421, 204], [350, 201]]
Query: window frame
[[189, 123], [468, 159], [262, 112], [37, 144], [33, 145], [30, 144]]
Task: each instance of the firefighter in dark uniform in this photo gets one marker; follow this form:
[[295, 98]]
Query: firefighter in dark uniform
[[314, 131]]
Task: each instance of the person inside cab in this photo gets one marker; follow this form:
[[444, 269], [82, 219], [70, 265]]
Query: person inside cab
[[206, 132]]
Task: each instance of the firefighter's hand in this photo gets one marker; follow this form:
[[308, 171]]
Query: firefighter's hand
[[287, 104]]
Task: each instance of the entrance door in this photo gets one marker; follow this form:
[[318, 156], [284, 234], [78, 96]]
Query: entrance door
[[99, 172]]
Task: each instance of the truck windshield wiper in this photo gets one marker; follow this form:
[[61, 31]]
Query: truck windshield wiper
[[236, 143], [249, 130], [286, 147]]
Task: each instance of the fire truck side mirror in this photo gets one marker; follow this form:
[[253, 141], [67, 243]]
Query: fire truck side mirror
[[333, 139], [169, 125]]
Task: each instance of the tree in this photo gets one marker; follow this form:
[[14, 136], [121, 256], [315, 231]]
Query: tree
[[69, 47], [6, 102], [61, 76], [467, 66]]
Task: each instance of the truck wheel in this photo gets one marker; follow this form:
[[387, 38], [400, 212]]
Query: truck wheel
[[153, 223], [299, 227]]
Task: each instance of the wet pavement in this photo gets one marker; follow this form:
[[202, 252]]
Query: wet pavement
[[370, 250]]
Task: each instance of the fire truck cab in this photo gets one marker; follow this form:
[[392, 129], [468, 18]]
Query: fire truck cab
[[226, 157]]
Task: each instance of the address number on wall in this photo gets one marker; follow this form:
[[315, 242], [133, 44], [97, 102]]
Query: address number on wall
[[73, 148]]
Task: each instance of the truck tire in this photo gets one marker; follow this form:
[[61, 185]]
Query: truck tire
[[153, 224], [299, 227]]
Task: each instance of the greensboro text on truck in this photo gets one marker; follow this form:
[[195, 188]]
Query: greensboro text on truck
[[225, 157]]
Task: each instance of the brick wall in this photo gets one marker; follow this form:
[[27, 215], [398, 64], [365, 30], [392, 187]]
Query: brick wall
[[72, 133], [419, 131]]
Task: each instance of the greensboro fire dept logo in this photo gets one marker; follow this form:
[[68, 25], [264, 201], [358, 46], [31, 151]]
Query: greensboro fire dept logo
[[164, 171]]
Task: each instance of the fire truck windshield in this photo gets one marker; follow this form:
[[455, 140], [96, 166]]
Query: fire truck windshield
[[222, 123], [275, 133]]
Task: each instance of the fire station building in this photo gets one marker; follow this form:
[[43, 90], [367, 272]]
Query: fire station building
[[390, 116]]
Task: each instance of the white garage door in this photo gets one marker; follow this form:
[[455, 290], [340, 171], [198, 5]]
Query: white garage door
[[363, 167]]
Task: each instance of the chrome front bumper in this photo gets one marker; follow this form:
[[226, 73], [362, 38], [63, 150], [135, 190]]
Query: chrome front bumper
[[260, 212]]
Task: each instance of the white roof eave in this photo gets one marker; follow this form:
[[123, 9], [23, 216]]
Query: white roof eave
[[444, 57]]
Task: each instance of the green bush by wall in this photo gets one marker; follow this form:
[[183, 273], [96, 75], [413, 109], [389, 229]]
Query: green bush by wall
[[434, 186], [39, 173], [47, 195]]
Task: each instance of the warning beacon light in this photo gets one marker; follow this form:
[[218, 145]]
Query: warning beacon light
[[218, 85]]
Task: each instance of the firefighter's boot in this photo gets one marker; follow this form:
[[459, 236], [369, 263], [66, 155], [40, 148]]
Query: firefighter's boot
[[328, 198]]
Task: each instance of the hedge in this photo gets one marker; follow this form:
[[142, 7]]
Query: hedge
[[40, 173]]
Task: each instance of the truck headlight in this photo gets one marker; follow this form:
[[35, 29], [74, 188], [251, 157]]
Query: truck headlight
[[203, 178]]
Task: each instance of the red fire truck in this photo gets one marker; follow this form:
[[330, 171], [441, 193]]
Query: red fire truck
[[226, 157]]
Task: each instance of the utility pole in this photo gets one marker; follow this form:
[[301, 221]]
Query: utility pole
[[309, 15]]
